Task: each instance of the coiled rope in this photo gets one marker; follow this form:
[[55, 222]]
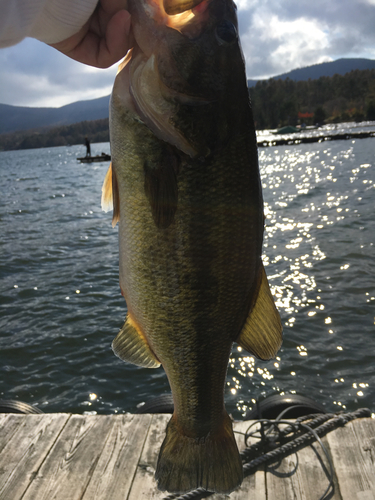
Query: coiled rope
[[278, 442]]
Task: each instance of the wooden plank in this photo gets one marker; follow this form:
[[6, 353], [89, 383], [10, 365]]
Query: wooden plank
[[118, 462], [353, 453], [144, 485], [8, 427], [301, 476], [113, 457], [26, 449], [254, 485], [279, 482], [365, 495], [67, 470]]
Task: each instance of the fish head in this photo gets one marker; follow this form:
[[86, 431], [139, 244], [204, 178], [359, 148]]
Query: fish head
[[185, 71]]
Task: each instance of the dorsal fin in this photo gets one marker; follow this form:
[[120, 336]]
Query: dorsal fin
[[132, 346], [262, 333]]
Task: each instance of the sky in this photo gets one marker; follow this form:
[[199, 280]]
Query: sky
[[276, 36]]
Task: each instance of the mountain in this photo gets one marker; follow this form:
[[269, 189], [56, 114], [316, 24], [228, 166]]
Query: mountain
[[338, 67], [15, 118]]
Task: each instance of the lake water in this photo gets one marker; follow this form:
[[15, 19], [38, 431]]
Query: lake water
[[60, 303]]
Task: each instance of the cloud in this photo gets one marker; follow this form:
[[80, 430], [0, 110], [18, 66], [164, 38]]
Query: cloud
[[276, 36], [276, 46], [33, 74], [280, 36]]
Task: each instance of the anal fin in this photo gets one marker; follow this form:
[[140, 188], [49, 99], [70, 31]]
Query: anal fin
[[132, 346], [262, 333]]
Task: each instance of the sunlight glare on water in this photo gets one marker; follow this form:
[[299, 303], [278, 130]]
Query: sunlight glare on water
[[318, 251]]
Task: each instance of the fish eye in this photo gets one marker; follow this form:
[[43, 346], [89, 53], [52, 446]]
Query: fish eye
[[226, 32]]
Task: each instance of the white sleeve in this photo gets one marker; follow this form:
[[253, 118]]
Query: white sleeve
[[49, 21]]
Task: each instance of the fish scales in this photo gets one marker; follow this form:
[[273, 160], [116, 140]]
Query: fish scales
[[188, 198]]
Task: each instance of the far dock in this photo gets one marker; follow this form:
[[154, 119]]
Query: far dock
[[295, 139]]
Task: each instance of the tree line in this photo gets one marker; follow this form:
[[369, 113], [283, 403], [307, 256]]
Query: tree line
[[335, 99], [275, 103], [64, 135]]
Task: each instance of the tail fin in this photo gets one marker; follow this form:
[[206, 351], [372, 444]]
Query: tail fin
[[212, 462]]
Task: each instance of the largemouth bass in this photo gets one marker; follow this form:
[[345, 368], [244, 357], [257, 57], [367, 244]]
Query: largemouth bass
[[186, 191]]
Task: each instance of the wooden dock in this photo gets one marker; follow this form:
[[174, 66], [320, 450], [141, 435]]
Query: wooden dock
[[113, 457]]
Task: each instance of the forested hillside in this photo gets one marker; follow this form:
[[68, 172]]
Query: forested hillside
[[14, 118], [96, 131], [275, 102], [328, 99]]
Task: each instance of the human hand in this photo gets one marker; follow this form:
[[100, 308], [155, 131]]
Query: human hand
[[104, 39]]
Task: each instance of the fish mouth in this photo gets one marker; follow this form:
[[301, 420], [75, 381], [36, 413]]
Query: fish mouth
[[173, 7], [186, 16]]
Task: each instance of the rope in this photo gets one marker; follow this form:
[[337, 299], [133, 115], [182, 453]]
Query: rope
[[276, 443], [194, 494]]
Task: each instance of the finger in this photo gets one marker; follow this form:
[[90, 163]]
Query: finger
[[94, 49], [113, 6], [105, 11], [116, 42]]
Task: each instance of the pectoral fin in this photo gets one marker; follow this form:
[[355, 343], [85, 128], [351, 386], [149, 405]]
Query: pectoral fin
[[110, 195], [262, 332], [107, 197], [132, 346], [116, 199]]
